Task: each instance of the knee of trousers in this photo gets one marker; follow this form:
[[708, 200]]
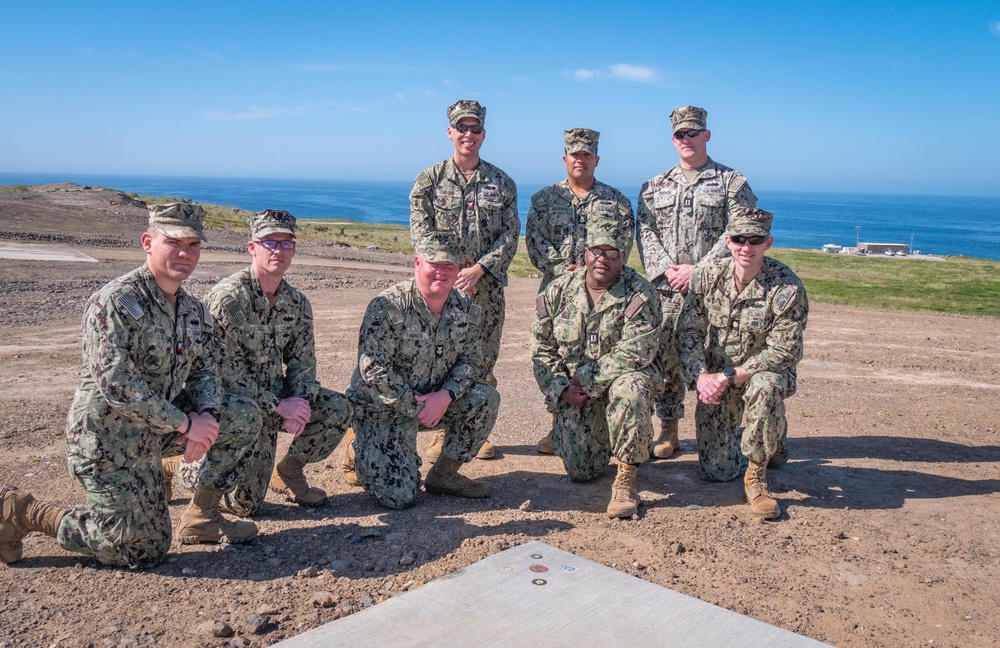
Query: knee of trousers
[[765, 386], [333, 408], [483, 395], [631, 393], [122, 542], [239, 413]]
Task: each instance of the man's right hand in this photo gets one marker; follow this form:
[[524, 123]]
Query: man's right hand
[[204, 431], [574, 394]]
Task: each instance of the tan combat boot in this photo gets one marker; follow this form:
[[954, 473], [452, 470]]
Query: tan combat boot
[[762, 503], [443, 479], [486, 451], [202, 521], [667, 444], [544, 445], [624, 498], [434, 449], [170, 467], [289, 480], [347, 465], [20, 514]]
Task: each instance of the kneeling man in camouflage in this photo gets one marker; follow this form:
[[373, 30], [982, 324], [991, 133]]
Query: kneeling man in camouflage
[[594, 338], [739, 337]]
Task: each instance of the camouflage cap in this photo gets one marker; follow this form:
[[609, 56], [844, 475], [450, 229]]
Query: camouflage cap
[[689, 117], [608, 231], [271, 221], [439, 247], [750, 221], [178, 220], [581, 139], [466, 108]]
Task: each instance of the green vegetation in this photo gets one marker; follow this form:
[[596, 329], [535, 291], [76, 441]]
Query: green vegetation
[[13, 188], [956, 285]]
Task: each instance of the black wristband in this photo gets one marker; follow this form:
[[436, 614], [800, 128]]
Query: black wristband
[[451, 393], [188, 428]]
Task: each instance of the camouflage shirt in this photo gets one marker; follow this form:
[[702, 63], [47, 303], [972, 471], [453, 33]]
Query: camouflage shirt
[[481, 212], [681, 223], [759, 329], [557, 224], [269, 352], [137, 357], [619, 335], [405, 350]]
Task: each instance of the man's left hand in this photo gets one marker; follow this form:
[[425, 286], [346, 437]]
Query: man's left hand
[[679, 277], [435, 405], [711, 387], [468, 277]]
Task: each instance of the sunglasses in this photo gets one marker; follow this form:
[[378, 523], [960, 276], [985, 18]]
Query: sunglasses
[[694, 132], [610, 254], [740, 239], [274, 245], [476, 129]]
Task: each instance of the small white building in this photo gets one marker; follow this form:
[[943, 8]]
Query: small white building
[[832, 248]]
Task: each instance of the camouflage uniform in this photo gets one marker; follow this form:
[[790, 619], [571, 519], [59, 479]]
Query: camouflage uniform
[[270, 354], [482, 213], [556, 232], [760, 330], [610, 349], [143, 370], [684, 223], [557, 224], [404, 351]]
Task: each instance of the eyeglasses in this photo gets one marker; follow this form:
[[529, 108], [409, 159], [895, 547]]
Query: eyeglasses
[[740, 239], [476, 129], [694, 132], [274, 245], [597, 253]]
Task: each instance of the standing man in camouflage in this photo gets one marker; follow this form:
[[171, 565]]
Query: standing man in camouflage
[[419, 360], [740, 338], [558, 216], [148, 385], [265, 327], [594, 339], [682, 216], [477, 202]]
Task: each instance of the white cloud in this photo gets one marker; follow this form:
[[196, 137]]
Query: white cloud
[[995, 27], [618, 72]]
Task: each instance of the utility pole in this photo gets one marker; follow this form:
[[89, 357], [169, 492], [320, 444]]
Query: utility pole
[[911, 241], [857, 238]]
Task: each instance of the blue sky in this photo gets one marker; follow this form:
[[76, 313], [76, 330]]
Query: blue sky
[[880, 97]]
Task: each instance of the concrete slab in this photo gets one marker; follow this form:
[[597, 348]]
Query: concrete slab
[[39, 252], [536, 595]]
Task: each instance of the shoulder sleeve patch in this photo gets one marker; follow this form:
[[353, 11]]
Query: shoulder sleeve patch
[[208, 314], [394, 313], [234, 314], [635, 306], [785, 298], [128, 303], [541, 310], [307, 308], [475, 314]]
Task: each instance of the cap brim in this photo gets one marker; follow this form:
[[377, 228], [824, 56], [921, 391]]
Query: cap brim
[[577, 149], [267, 231], [748, 231], [182, 232], [688, 126]]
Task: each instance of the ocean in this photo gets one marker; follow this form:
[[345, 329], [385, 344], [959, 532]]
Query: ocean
[[939, 225]]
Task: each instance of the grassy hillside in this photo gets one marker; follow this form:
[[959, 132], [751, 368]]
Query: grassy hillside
[[956, 285]]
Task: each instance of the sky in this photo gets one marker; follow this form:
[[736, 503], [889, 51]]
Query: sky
[[868, 97]]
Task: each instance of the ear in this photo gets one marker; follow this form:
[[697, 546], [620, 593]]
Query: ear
[[708, 134], [147, 242], [597, 160]]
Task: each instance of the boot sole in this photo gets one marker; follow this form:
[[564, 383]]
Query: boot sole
[[440, 491], [290, 496]]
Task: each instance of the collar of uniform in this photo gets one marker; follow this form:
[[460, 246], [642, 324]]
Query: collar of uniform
[[564, 191], [479, 174], [710, 171], [420, 303], [159, 298], [258, 292], [614, 295], [754, 289]]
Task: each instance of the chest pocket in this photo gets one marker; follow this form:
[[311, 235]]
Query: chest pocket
[[156, 354], [447, 205], [490, 197], [412, 344], [664, 199]]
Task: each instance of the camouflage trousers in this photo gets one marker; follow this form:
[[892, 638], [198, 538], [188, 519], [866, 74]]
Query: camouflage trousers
[[618, 424], [126, 521], [493, 302], [385, 445], [668, 393], [331, 416], [722, 449]]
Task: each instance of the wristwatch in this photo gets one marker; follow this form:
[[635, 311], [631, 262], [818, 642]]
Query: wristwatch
[[730, 375]]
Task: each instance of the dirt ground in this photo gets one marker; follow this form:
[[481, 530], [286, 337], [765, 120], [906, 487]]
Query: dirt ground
[[890, 535]]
